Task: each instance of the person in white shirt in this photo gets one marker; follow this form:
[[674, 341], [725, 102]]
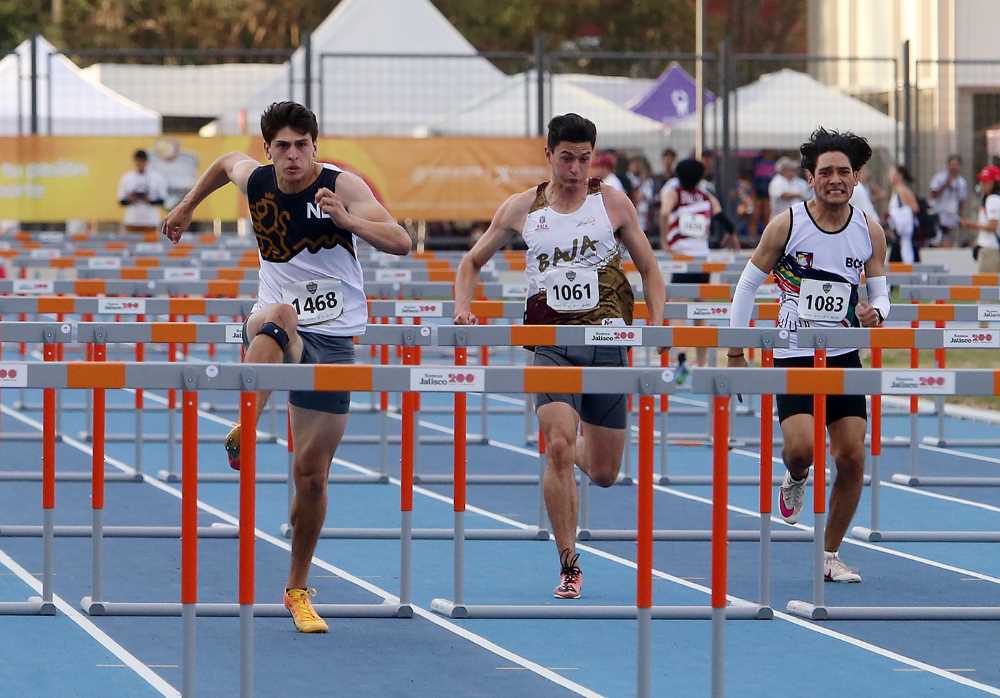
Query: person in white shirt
[[948, 192], [604, 170], [903, 209], [786, 188], [987, 247], [142, 192], [862, 196]]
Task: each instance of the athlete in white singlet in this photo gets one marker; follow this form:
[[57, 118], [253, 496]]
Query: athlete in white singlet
[[575, 228], [818, 251], [311, 303]]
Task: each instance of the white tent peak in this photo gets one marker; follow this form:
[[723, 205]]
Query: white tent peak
[[79, 105]]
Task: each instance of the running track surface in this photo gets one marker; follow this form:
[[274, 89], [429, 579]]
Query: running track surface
[[72, 654]]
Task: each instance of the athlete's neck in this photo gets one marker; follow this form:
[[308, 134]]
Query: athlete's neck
[[298, 185], [829, 216], [565, 198]]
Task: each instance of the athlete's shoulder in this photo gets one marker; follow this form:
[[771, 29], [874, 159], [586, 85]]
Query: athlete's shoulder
[[261, 173]]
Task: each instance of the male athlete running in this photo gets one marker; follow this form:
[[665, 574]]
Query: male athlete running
[[575, 229], [307, 217], [818, 250]]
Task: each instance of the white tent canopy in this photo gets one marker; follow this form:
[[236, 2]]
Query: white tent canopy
[[781, 109], [69, 103], [357, 93]]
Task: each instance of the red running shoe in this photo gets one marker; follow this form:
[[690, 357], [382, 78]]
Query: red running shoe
[[570, 579]]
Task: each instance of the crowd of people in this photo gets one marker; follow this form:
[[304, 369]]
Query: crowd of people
[[946, 215]]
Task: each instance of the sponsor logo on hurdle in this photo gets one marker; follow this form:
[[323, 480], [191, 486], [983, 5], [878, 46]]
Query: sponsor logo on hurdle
[[234, 334], [149, 248], [181, 274], [450, 380], [34, 286], [972, 338], [13, 375], [393, 275], [674, 267], [104, 263], [44, 253], [216, 255], [989, 313], [918, 382], [419, 309], [51, 238], [514, 290], [613, 336], [121, 306], [707, 311]]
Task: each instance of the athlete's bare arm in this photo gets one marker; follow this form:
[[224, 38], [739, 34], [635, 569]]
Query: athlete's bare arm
[[668, 199], [354, 207], [874, 267], [506, 224], [772, 242], [623, 217], [231, 167]]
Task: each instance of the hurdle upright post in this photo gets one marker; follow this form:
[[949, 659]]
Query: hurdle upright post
[[720, 533], [140, 355], [189, 533], [914, 413], [248, 476], [459, 486], [98, 426], [48, 480], [939, 355], [644, 546], [406, 463], [664, 411], [819, 484], [766, 470], [876, 447]]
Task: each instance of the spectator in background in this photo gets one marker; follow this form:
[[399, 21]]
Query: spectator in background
[[667, 160], [142, 192], [786, 188], [708, 182], [644, 192], [948, 192], [603, 169], [987, 246], [763, 173], [620, 169], [903, 209], [862, 196], [743, 203]]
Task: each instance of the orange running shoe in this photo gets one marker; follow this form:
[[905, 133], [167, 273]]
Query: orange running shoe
[[303, 614]]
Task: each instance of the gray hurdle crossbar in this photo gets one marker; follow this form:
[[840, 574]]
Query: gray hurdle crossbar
[[820, 382]]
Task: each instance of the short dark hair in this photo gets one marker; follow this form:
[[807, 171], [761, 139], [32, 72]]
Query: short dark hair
[[290, 114], [571, 128], [689, 173], [668, 151], [956, 157], [822, 141], [140, 155], [904, 173]]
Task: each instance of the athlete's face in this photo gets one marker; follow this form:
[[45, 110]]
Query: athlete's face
[[293, 155], [834, 180], [570, 162]]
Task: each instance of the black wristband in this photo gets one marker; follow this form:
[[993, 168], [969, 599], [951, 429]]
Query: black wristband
[[879, 313]]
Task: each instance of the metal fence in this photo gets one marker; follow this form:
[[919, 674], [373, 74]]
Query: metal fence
[[956, 102]]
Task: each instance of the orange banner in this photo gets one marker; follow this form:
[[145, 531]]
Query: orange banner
[[51, 178]]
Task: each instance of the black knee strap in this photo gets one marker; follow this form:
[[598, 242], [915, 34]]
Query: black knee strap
[[276, 333]]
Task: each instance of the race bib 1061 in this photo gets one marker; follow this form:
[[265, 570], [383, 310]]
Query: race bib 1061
[[827, 301], [572, 289], [316, 301]]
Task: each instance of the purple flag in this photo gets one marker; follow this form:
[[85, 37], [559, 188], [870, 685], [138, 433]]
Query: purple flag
[[671, 98]]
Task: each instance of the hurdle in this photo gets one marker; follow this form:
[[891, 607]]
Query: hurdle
[[821, 382], [931, 382]]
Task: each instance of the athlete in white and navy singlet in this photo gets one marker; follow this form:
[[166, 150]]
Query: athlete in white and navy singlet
[[297, 243], [690, 222], [828, 266]]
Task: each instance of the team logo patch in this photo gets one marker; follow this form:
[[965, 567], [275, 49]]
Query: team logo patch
[[826, 288], [312, 286], [570, 275], [804, 259]]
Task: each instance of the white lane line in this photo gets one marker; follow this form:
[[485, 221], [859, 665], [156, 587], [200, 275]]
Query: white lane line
[[800, 622], [128, 659], [151, 666], [902, 488], [437, 620], [902, 669], [963, 454]]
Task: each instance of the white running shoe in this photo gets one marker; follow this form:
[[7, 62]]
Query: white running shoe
[[834, 570], [791, 493]]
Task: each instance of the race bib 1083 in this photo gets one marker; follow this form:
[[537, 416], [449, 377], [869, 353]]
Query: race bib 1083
[[827, 301]]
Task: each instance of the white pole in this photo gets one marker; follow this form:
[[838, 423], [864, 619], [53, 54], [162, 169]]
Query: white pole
[[699, 76]]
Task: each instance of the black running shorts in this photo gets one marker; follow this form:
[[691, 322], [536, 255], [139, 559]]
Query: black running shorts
[[599, 410], [837, 406]]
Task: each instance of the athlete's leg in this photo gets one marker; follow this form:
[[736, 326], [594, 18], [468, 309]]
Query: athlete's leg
[[797, 452], [847, 444], [316, 436], [559, 423], [264, 349], [599, 453]]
